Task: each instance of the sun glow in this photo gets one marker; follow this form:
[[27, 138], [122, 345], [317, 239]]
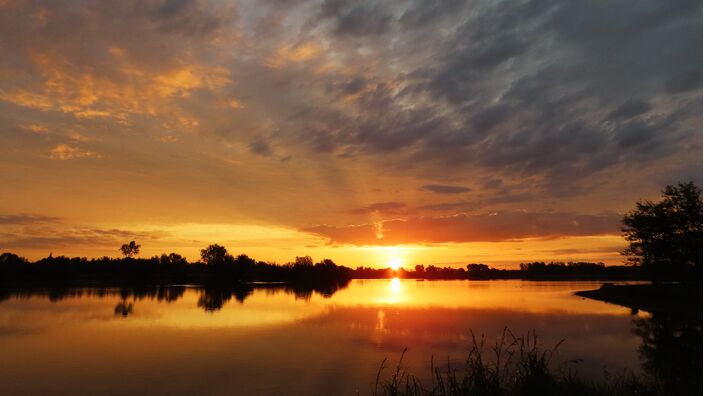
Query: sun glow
[[395, 263]]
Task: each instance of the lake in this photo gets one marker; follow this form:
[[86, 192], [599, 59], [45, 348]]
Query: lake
[[273, 340]]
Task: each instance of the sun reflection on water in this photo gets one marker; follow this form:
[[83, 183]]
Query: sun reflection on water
[[395, 286], [394, 294]]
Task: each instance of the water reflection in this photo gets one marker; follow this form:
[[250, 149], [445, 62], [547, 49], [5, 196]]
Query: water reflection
[[165, 293], [211, 297], [395, 285], [264, 333], [395, 293], [671, 351], [123, 308]]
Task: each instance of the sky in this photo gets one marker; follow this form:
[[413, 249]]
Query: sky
[[421, 132]]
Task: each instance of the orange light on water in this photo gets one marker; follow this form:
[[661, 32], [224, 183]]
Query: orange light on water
[[395, 285]]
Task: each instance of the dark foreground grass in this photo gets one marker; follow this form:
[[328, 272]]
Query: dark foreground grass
[[514, 365]]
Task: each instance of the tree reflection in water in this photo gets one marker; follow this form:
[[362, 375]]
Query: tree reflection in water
[[212, 296], [671, 352], [123, 308]]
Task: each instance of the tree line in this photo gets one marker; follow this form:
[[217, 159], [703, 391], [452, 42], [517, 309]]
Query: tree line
[[527, 271], [216, 266]]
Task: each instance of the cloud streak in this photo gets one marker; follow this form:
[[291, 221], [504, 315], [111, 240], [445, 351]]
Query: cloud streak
[[488, 227], [444, 189], [65, 152], [27, 219]]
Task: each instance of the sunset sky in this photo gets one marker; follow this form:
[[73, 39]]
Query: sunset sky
[[421, 132]]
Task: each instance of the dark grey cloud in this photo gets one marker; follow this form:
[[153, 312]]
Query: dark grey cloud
[[545, 88], [629, 109], [357, 17], [424, 13], [686, 80], [183, 17], [349, 87], [260, 147], [444, 189], [635, 134]]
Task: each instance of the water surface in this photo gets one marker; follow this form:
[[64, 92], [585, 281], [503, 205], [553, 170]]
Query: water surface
[[272, 340]]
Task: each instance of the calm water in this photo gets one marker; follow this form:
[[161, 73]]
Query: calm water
[[273, 341]]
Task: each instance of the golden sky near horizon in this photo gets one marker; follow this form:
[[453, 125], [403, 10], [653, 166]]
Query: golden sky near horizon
[[366, 132]]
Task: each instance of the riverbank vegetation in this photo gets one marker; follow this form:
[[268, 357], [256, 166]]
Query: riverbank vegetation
[[519, 365]]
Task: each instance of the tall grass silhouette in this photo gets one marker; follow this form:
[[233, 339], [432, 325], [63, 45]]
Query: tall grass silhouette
[[513, 365]]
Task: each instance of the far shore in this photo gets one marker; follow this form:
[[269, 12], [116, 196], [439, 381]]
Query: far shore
[[220, 268]]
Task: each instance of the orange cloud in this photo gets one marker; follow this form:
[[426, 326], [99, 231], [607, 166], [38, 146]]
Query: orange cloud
[[36, 128], [25, 98], [120, 93], [293, 54], [65, 152], [491, 227]]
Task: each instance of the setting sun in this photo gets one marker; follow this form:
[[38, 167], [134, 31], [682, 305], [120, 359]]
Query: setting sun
[[395, 263]]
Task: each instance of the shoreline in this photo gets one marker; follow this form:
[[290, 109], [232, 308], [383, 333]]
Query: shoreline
[[104, 282], [672, 299]]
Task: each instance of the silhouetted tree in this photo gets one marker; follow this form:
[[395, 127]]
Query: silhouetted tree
[[130, 249], [665, 237], [304, 261], [214, 254], [477, 267], [245, 261], [173, 259], [326, 263], [8, 258]]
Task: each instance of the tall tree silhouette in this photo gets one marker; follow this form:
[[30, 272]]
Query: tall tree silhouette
[[130, 249], [665, 237], [214, 254]]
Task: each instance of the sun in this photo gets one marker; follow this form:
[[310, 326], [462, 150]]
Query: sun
[[395, 263]]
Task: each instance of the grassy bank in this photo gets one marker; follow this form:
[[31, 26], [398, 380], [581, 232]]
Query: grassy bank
[[513, 365]]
